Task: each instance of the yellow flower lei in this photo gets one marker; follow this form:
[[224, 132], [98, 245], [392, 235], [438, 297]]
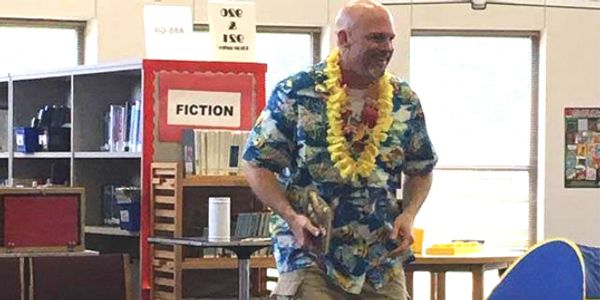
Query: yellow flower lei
[[337, 145]]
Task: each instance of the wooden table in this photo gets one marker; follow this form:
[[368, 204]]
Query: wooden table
[[476, 263], [53, 253]]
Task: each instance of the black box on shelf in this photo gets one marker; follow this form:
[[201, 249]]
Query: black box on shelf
[[55, 139], [110, 209]]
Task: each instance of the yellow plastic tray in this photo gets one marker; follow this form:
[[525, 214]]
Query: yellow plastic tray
[[454, 248]]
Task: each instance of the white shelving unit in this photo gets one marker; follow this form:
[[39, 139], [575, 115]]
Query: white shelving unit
[[42, 155], [88, 91], [105, 230], [112, 155]]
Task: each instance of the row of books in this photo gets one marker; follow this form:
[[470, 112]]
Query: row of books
[[213, 152], [222, 252], [251, 224], [122, 130], [254, 224]]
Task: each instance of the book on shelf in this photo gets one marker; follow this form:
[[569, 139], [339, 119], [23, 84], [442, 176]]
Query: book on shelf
[[134, 140], [122, 127], [247, 224], [200, 152], [225, 140], [239, 225], [213, 152], [188, 152], [126, 125], [236, 151], [110, 209], [116, 139], [252, 224]]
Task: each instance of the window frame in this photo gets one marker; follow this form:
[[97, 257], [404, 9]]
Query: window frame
[[78, 26], [315, 34], [533, 166]]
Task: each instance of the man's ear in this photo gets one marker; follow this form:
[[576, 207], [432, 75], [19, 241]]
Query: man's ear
[[342, 38]]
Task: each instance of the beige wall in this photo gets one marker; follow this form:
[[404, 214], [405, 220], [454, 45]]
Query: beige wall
[[121, 32], [116, 26], [48, 9], [570, 66], [279, 12], [573, 79]]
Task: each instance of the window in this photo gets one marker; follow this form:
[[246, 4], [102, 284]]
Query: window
[[478, 94], [39, 45], [285, 50]]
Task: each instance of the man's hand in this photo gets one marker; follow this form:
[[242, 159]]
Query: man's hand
[[304, 231], [267, 189], [402, 230]]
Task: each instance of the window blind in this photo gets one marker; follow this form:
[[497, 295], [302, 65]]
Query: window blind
[[39, 45], [479, 96]]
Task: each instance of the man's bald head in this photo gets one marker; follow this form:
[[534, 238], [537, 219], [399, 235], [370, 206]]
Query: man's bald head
[[364, 33], [357, 12]]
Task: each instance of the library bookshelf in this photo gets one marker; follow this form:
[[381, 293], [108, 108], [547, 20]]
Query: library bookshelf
[[171, 196]]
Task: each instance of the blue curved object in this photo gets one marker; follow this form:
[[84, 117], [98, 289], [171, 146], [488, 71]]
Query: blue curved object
[[553, 270], [591, 258]]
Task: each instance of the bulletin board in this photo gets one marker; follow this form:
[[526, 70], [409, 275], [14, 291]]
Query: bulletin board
[[582, 147]]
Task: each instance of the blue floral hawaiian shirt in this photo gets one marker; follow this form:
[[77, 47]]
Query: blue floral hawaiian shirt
[[289, 138]]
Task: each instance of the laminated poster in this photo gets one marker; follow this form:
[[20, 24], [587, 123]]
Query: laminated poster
[[582, 147]]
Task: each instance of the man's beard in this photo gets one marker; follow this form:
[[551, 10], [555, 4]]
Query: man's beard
[[375, 71], [376, 64]]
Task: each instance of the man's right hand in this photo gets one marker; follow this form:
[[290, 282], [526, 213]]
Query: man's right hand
[[304, 231]]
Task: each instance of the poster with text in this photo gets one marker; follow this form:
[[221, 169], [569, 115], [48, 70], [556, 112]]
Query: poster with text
[[582, 147], [168, 33], [232, 26], [210, 100]]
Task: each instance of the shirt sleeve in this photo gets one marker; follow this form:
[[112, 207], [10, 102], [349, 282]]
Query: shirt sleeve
[[420, 157], [270, 144]]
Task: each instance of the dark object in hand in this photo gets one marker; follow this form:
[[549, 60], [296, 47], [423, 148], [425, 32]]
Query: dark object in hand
[[321, 216]]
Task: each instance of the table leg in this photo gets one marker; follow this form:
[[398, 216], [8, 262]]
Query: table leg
[[477, 283], [433, 287], [409, 283], [244, 279], [441, 286], [503, 270]]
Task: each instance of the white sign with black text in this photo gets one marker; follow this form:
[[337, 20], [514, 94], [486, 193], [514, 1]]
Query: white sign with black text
[[202, 108], [169, 33], [232, 26]]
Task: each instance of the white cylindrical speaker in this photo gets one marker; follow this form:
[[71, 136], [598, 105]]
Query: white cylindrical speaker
[[219, 219]]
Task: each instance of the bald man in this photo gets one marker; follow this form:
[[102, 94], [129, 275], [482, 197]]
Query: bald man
[[338, 138]]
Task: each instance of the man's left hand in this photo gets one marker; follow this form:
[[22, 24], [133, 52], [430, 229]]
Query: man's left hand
[[402, 230]]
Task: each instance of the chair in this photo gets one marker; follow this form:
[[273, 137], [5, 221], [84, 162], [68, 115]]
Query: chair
[[98, 277], [11, 278], [553, 270]]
